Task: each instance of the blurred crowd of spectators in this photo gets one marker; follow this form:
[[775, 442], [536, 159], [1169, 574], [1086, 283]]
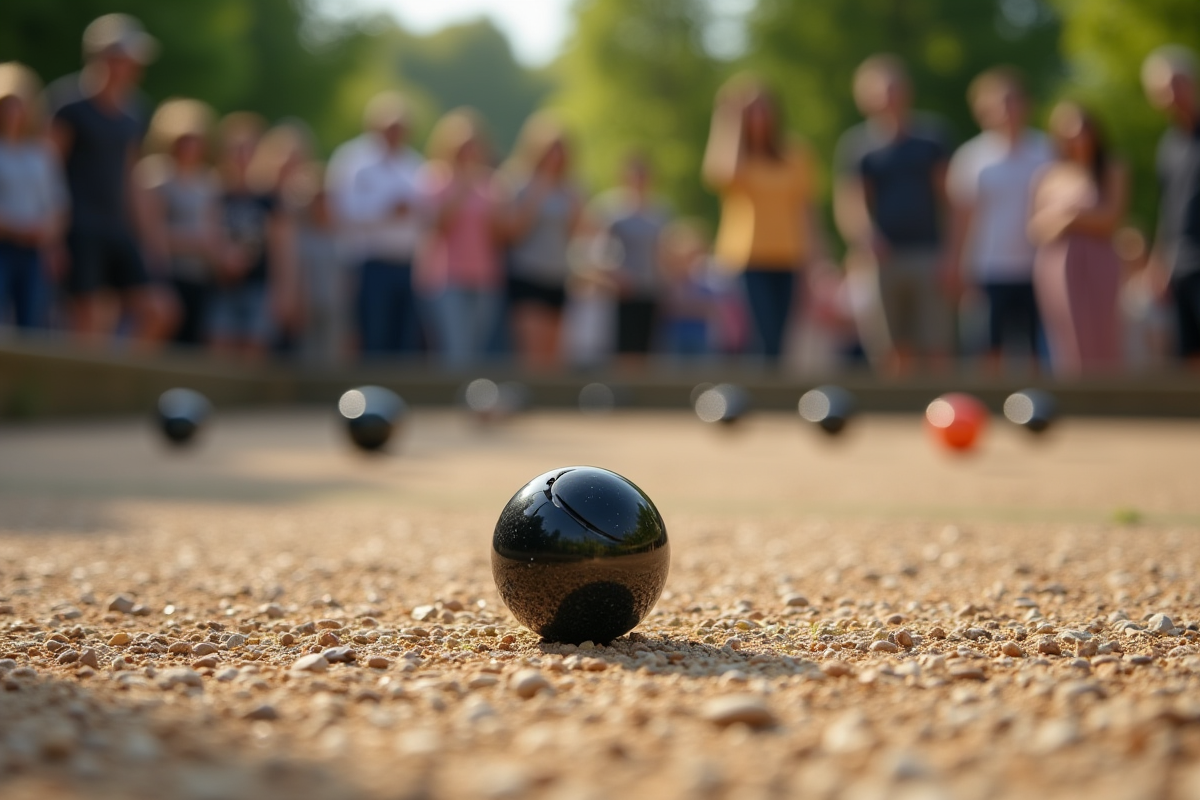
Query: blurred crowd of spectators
[[229, 235]]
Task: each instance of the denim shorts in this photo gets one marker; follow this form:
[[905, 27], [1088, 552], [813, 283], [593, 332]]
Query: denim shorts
[[241, 313]]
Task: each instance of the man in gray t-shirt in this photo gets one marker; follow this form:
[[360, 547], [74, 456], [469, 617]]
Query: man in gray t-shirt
[[1169, 76], [632, 229]]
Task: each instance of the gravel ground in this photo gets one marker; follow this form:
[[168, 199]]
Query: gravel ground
[[274, 616]]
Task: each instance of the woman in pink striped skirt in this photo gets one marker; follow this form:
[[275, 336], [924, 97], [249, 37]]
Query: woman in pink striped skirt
[[1078, 203]]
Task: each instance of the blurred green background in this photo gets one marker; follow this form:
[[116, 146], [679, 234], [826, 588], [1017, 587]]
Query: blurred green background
[[637, 74]]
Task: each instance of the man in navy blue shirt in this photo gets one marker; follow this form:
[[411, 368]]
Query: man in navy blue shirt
[[98, 133], [889, 200], [1169, 77]]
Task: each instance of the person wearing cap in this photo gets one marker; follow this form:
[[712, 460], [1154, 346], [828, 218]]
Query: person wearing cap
[[98, 138], [374, 185], [33, 200], [1169, 77]]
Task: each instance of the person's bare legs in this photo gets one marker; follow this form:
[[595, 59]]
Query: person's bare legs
[[155, 314], [93, 317], [538, 333]]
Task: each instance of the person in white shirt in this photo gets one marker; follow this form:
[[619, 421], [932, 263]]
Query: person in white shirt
[[989, 184], [373, 183]]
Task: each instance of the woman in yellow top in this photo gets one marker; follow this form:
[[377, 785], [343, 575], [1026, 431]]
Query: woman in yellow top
[[767, 230]]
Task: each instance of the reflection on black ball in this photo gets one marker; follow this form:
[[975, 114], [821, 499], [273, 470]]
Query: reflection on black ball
[[181, 414], [580, 554], [1033, 409], [725, 402], [828, 407], [371, 413]]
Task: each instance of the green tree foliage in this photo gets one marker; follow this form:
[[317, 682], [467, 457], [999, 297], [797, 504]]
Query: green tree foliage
[[809, 49], [635, 77], [472, 65], [1105, 44]]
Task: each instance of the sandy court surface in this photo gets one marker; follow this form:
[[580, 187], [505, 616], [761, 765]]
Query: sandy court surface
[[862, 618]]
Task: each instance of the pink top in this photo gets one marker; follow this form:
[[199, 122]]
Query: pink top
[[461, 253]]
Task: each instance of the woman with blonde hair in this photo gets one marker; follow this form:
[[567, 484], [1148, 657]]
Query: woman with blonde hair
[[458, 270], [542, 219], [768, 230], [184, 228], [33, 200], [1079, 202]]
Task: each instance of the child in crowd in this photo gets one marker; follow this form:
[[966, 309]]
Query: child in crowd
[[184, 227]]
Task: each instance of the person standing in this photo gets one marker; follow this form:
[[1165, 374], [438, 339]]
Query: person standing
[[1078, 203], [632, 225], [259, 259], [543, 218], [889, 200], [98, 137], [185, 212], [989, 183], [768, 230], [1169, 77], [459, 269], [33, 200], [374, 189]]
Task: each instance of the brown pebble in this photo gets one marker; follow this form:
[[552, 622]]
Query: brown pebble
[[1048, 646], [937, 632], [331, 624], [286, 639], [263, 713], [1012, 649], [746, 709], [90, 658], [328, 639], [119, 638], [67, 657], [205, 649], [208, 662], [378, 662]]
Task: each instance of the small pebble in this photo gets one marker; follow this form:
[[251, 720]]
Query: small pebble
[[378, 662], [118, 639], [528, 682], [1012, 649], [121, 603], [314, 662], [745, 709], [1049, 647]]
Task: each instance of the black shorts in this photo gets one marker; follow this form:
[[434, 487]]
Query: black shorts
[[635, 325], [1185, 294], [552, 296], [104, 260]]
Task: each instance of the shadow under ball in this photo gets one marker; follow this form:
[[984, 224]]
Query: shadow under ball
[[181, 414], [580, 554], [372, 414], [828, 407]]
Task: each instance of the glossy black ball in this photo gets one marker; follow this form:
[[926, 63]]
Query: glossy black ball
[[1033, 409], [580, 554], [181, 413], [725, 403], [372, 414], [828, 407]]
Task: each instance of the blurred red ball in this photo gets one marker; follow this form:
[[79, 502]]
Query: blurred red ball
[[956, 420]]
